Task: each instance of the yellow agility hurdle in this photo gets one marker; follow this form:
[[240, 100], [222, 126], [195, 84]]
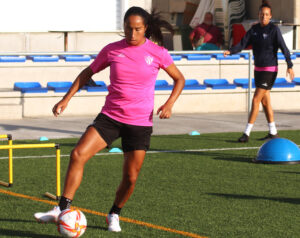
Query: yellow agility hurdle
[[32, 146], [10, 164]]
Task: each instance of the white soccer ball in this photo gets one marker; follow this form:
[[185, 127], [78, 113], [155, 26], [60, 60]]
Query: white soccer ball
[[71, 223]]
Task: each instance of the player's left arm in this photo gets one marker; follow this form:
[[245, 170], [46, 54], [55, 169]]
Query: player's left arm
[[165, 111], [286, 53]]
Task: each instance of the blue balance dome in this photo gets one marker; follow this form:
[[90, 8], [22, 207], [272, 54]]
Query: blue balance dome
[[278, 151]]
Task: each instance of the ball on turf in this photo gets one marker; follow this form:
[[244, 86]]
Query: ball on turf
[[71, 223]]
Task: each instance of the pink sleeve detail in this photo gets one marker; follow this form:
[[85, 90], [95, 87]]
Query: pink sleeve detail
[[166, 59]]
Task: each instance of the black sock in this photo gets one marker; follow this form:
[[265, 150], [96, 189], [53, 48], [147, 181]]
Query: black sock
[[64, 203], [114, 209]]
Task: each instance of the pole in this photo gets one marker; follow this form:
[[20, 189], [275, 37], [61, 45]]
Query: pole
[[10, 147], [58, 192], [27, 146], [10, 162], [250, 82]]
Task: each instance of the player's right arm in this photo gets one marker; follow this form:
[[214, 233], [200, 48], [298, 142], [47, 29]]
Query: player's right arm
[[81, 80]]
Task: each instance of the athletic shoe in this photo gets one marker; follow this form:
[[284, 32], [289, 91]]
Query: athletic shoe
[[113, 223], [269, 136], [244, 138], [50, 216]]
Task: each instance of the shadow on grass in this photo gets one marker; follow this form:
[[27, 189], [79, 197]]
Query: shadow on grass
[[216, 155], [288, 172], [236, 158], [234, 141], [97, 227], [18, 233], [252, 197]]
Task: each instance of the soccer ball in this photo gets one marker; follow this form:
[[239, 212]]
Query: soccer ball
[[71, 223]]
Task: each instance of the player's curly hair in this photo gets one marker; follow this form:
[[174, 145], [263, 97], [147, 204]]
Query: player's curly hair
[[153, 21]]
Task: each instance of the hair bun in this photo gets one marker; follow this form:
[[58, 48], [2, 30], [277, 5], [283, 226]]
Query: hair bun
[[265, 2]]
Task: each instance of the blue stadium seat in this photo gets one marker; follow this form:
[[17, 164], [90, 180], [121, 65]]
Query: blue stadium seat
[[197, 56], [29, 87], [43, 58], [99, 87], [192, 84], [244, 55], [297, 54], [243, 82], [282, 57], [218, 84], [161, 84], [228, 57], [297, 81], [12, 58], [283, 83], [176, 57], [93, 56], [59, 87], [75, 58]]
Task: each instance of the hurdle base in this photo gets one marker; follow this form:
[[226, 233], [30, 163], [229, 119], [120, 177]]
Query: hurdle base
[[51, 196], [5, 184]]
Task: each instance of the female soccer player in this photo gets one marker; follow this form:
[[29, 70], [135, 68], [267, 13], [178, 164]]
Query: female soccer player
[[134, 64], [265, 39]]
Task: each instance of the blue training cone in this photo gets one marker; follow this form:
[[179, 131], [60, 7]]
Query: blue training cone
[[43, 138], [115, 150], [278, 151], [194, 133]]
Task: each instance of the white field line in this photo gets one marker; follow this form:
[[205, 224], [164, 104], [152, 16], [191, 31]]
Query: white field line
[[148, 152]]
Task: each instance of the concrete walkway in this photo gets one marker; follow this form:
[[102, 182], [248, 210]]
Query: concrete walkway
[[65, 127]]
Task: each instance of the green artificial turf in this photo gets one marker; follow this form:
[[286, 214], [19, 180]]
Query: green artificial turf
[[211, 193]]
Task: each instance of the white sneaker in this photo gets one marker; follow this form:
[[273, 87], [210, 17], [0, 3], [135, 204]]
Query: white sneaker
[[50, 216], [113, 223]]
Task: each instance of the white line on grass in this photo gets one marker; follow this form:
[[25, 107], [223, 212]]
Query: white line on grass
[[148, 152]]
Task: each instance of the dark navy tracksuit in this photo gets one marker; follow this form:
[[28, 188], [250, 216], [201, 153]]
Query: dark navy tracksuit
[[265, 43]]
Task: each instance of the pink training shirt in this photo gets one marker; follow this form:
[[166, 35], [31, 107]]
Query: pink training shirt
[[133, 72]]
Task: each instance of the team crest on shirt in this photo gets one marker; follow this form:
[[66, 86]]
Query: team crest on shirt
[[148, 59], [265, 35], [121, 55]]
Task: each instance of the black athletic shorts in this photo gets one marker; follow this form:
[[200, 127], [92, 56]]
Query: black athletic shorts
[[133, 137], [264, 79]]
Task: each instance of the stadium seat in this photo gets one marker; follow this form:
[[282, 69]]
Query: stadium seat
[[94, 56], [29, 87], [297, 54], [12, 58], [193, 84], [243, 82], [75, 58], [218, 84], [244, 55], [228, 57], [297, 81], [176, 57], [197, 56], [162, 84], [59, 87], [283, 83], [97, 86], [43, 58]]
